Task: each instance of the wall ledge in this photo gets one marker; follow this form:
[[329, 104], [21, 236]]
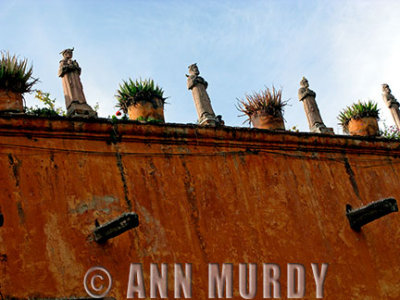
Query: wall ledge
[[232, 137]]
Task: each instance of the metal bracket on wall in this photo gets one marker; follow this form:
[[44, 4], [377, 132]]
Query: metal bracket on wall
[[361, 216], [111, 229]]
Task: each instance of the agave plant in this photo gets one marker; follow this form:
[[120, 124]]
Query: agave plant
[[357, 111], [265, 101], [15, 76], [130, 92]]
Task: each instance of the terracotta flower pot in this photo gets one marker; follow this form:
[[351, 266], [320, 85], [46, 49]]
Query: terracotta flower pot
[[153, 110], [263, 120], [11, 102], [364, 127]]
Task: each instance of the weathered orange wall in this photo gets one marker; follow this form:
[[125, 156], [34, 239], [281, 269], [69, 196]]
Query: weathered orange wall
[[203, 195]]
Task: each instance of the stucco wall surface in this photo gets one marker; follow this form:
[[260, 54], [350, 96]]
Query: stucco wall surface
[[203, 195]]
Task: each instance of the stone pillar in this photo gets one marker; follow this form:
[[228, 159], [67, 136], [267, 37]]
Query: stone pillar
[[202, 102], [392, 103], [314, 119], [75, 100]]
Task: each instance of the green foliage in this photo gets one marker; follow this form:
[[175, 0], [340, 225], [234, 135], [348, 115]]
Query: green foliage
[[357, 111], [149, 120], [96, 107], [264, 101], [49, 110], [130, 92], [15, 76], [390, 132], [117, 117]]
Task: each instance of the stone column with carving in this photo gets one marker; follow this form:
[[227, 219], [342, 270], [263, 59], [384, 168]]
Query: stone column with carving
[[202, 102], [392, 103], [314, 119], [75, 100]]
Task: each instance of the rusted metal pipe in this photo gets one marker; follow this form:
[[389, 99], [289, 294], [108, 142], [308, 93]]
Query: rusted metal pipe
[[111, 229], [368, 213]]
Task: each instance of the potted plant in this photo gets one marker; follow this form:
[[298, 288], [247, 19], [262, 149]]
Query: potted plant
[[142, 100], [264, 109], [15, 80], [360, 119]]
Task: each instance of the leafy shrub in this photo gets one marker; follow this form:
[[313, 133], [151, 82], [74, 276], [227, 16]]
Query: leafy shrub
[[49, 110], [390, 132], [149, 120]]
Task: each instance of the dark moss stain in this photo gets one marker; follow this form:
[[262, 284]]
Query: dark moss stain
[[153, 169], [15, 165], [115, 137], [54, 165], [21, 213], [123, 178], [194, 211], [252, 151], [352, 178], [242, 158], [3, 257]]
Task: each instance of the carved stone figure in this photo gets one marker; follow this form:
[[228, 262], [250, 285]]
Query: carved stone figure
[[314, 119], [202, 102], [75, 100], [392, 103]]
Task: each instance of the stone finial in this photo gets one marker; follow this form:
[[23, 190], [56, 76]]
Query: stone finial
[[67, 53], [387, 96], [202, 101], [304, 90], [67, 64], [304, 82], [194, 78], [314, 119], [75, 100], [193, 69], [392, 103]]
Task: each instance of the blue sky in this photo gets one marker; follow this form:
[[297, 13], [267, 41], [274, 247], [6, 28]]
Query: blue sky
[[346, 49]]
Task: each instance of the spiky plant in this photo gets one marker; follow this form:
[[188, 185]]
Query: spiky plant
[[357, 111], [130, 92], [264, 101], [15, 76]]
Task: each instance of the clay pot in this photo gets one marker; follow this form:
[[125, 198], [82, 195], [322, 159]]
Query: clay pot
[[153, 110], [364, 127], [263, 120], [10, 101]]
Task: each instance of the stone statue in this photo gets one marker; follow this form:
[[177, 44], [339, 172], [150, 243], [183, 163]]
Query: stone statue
[[388, 97], [314, 119], [304, 90], [75, 100], [202, 102], [392, 103]]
